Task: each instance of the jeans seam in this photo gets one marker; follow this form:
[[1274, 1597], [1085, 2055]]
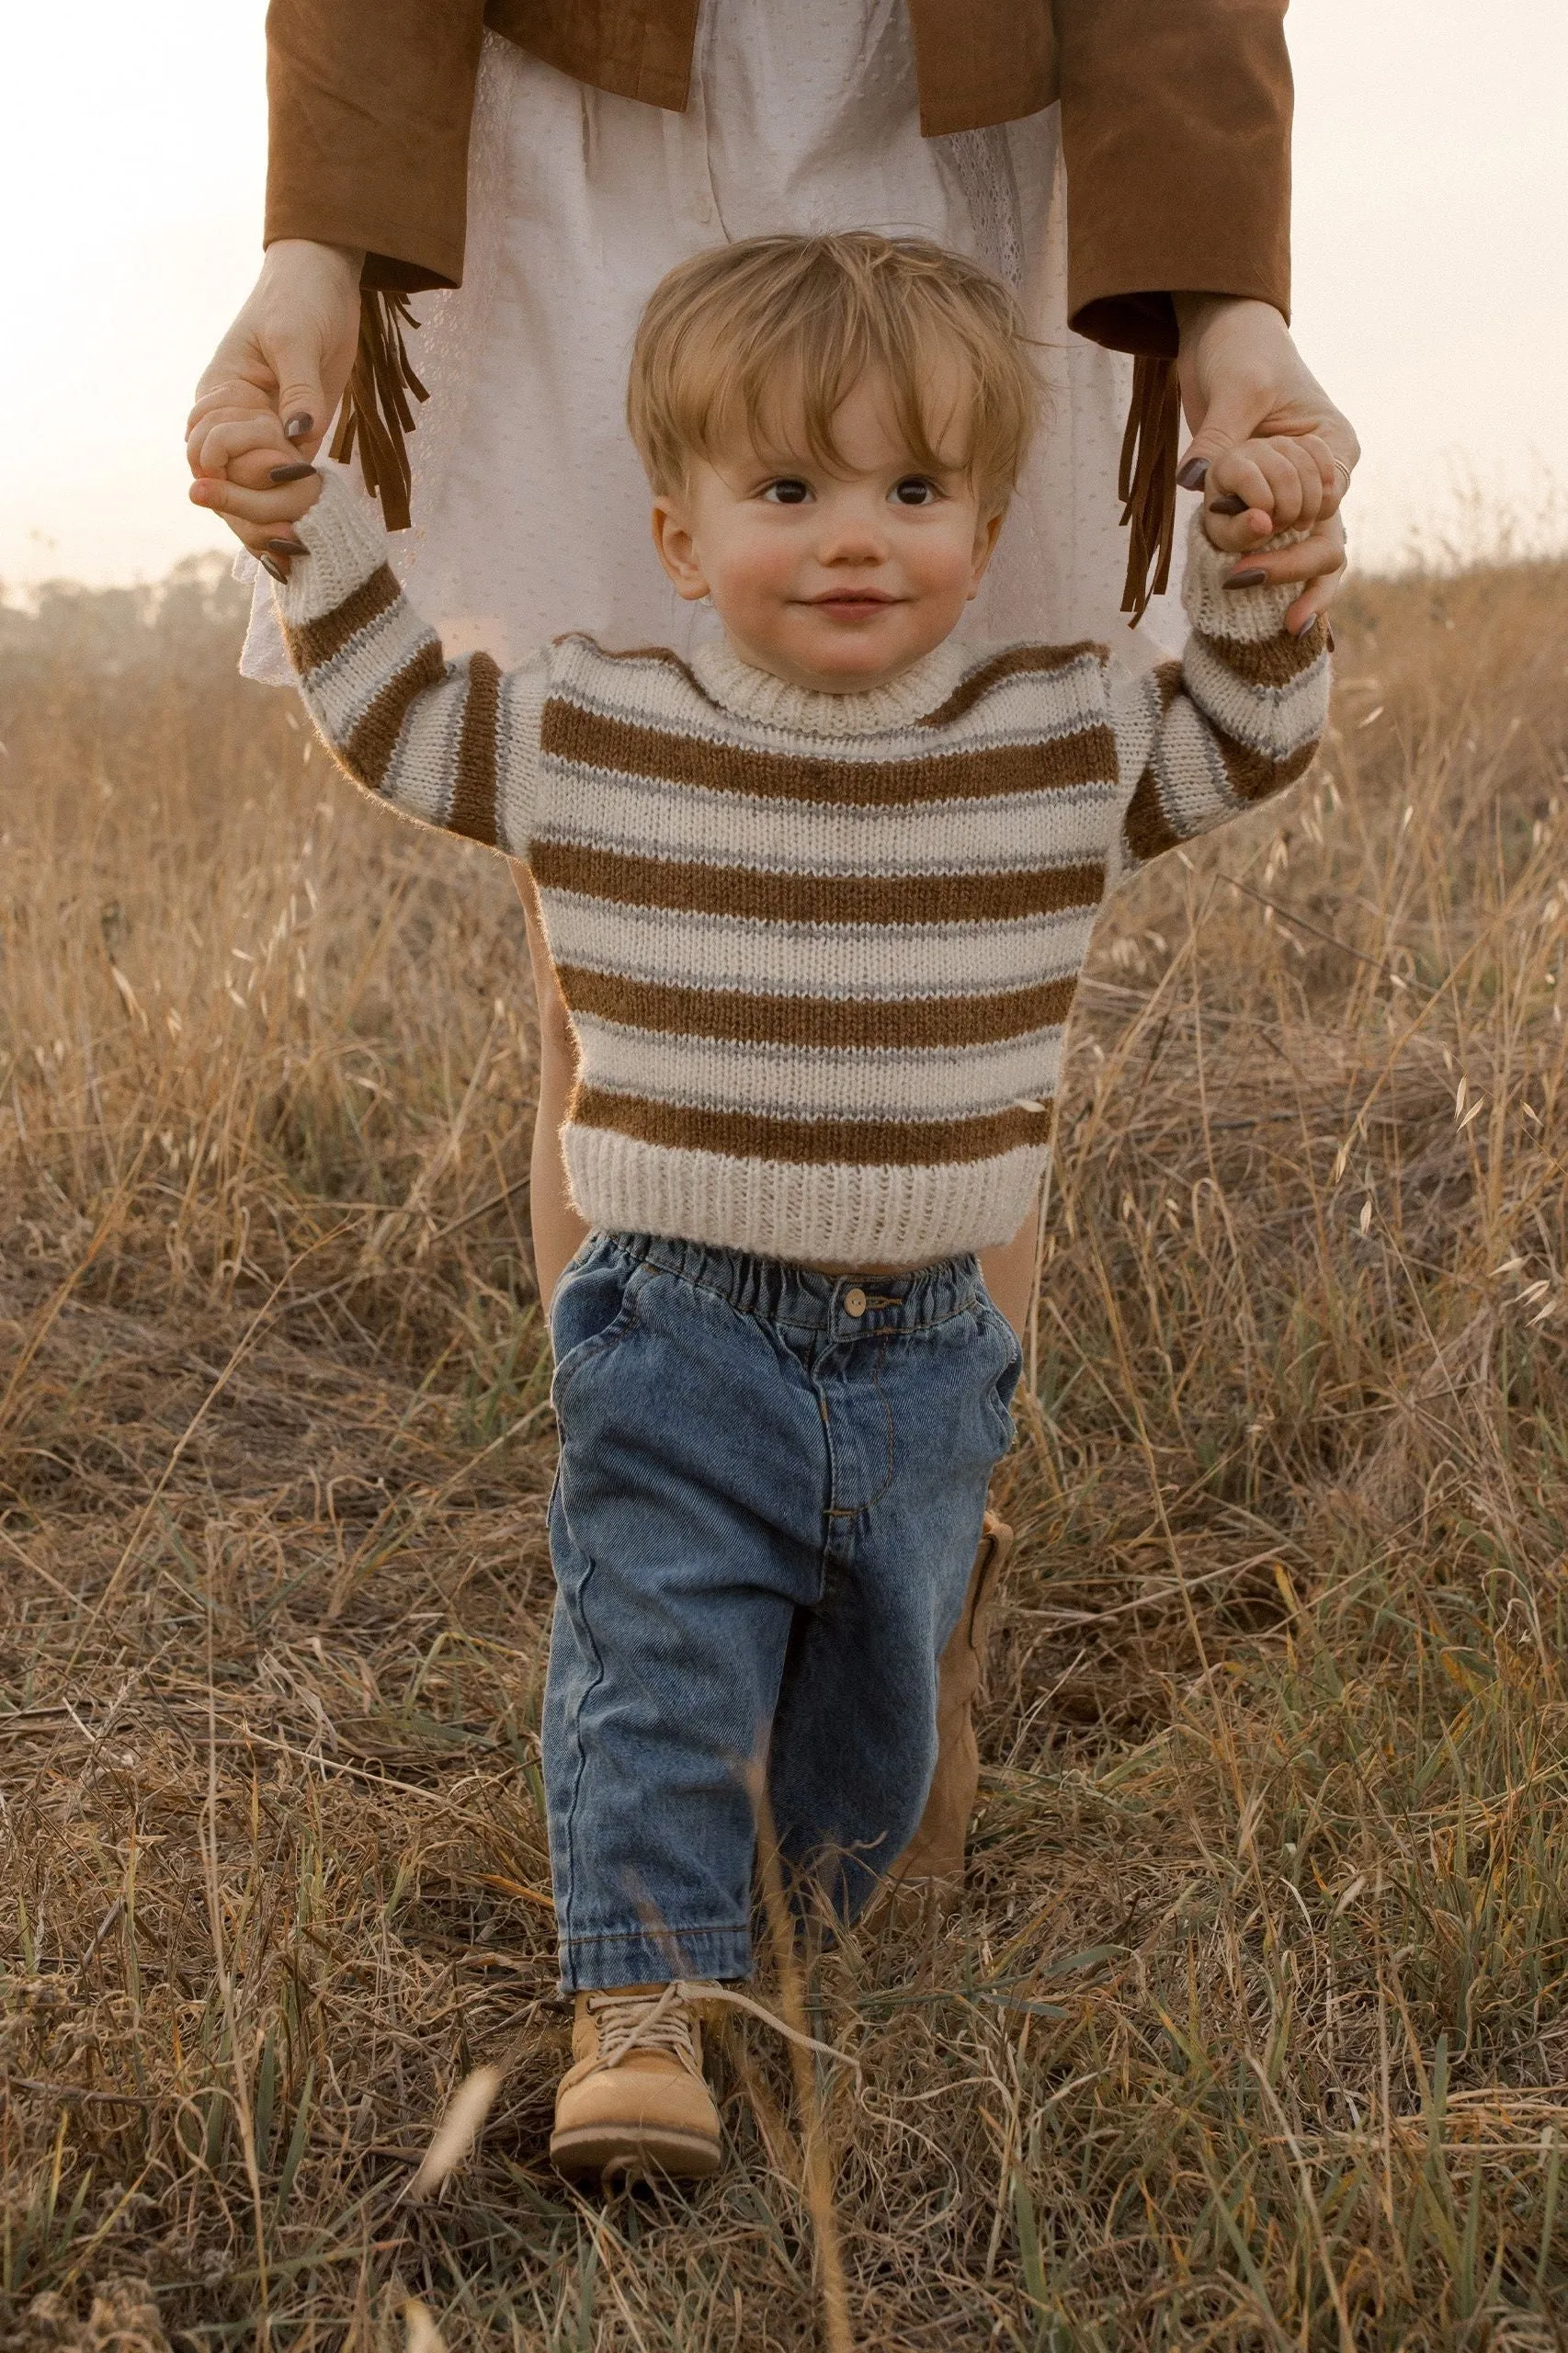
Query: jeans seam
[[639, 1934], [579, 1763]]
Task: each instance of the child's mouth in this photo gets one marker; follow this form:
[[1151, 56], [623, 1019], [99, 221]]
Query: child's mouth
[[852, 605]]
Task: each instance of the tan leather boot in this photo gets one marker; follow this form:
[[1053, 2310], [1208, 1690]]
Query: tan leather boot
[[930, 1868], [634, 2100]]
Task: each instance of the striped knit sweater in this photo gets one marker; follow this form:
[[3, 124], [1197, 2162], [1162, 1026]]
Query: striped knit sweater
[[819, 950]]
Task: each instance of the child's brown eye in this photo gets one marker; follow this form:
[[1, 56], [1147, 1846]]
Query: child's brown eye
[[788, 491], [914, 490]]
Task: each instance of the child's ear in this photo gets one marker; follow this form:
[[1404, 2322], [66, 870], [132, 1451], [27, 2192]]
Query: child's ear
[[677, 548], [986, 539]]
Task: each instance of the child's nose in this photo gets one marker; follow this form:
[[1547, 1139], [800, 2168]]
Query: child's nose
[[855, 539]]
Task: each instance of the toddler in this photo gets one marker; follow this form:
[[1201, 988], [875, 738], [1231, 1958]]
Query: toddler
[[818, 900]]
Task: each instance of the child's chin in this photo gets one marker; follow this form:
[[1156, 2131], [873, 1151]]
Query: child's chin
[[850, 661]]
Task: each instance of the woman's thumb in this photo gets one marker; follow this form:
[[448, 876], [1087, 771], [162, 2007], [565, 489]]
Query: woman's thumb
[[1228, 419], [301, 402]]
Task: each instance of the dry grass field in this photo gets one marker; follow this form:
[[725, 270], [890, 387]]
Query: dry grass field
[[1253, 2031]]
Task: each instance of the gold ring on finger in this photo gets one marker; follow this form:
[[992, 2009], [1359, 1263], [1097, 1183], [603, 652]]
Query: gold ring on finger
[[1342, 471]]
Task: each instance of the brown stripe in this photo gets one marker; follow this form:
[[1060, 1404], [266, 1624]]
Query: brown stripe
[[1253, 776], [1018, 661], [589, 740], [858, 1022], [313, 643], [1147, 829], [473, 794], [700, 889], [748, 1135], [1273, 662], [366, 751]]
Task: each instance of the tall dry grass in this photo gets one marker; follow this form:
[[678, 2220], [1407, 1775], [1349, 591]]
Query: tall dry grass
[[1253, 2032]]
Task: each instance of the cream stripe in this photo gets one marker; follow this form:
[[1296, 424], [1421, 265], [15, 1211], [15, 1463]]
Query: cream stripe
[[342, 690], [1273, 720], [420, 778], [641, 818], [523, 691], [813, 1083], [1191, 776], [823, 960]]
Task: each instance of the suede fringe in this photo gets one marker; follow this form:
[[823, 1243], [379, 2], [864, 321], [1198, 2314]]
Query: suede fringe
[[375, 411], [1147, 483], [376, 414]]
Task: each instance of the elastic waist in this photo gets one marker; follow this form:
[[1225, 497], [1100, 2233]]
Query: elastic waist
[[806, 1300]]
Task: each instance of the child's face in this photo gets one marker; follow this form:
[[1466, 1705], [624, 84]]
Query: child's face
[[837, 581]]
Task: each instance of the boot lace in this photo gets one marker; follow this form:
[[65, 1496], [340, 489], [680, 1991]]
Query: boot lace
[[629, 2022]]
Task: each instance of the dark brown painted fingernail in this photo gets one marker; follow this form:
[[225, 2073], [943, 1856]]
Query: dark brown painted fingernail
[[1251, 578], [297, 426], [270, 563], [1230, 505], [288, 547], [288, 474], [1194, 474]]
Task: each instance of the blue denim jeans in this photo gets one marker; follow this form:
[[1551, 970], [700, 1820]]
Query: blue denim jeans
[[771, 1489]]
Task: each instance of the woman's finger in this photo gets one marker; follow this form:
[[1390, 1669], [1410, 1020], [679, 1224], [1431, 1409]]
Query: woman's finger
[[1319, 593], [280, 505], [1281, 567]]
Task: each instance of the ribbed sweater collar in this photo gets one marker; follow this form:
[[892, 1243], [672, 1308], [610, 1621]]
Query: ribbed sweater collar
[[756, 694]]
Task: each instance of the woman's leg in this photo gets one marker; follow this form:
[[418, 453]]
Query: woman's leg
[[557, 1232], [1009, 1269]]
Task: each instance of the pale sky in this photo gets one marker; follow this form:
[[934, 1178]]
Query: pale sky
[[1431, 226]]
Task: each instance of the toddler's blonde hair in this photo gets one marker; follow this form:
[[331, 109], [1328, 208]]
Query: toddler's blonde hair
[[752, 338]]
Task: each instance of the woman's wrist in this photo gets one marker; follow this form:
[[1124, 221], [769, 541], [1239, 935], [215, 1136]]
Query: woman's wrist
[[1196, 314], [287, 256]]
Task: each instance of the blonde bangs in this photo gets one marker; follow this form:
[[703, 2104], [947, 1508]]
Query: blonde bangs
[[754, 343]]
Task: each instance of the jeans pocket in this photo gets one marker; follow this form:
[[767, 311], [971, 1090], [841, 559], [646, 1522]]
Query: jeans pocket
[[1004, 1380], [594, 1308]]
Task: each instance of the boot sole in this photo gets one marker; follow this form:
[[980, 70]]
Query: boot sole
[[595, 2148]]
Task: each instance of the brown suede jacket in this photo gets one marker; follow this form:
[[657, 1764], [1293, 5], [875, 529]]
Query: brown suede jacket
[[1176, 120]]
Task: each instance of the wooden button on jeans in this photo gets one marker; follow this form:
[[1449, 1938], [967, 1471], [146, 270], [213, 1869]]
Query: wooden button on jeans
[[854, 1302]]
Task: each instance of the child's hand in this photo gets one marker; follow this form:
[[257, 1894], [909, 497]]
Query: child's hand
[[237, 450], [1259, 488]]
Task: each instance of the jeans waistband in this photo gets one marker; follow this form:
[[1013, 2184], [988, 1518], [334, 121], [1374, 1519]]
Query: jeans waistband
[[803, 1298]]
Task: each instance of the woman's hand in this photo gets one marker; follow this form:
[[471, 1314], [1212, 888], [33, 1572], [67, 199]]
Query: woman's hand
[[1242, 380], [268, 393]]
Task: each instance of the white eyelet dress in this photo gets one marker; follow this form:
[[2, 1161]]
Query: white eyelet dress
[[530, 510]]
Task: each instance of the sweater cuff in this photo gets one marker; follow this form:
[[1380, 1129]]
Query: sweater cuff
[[347, 546], [1248, 615]]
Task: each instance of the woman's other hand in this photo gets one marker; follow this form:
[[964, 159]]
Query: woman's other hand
[[1243, 380], [269, 390]]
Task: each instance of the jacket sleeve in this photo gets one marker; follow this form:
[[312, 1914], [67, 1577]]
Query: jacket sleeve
[[369, 106], [451, 743], [1176, 127], [1236, 720]]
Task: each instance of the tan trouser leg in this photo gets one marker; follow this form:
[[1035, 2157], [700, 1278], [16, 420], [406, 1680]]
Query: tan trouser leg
[[933, 1861]]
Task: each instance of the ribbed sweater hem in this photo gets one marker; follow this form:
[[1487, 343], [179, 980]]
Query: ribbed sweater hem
[[829, 1215]]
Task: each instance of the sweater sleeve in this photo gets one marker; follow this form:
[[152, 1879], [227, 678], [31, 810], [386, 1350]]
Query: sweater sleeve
[[369, 102], [451, 743], [1176, 128], [1238, 717]]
